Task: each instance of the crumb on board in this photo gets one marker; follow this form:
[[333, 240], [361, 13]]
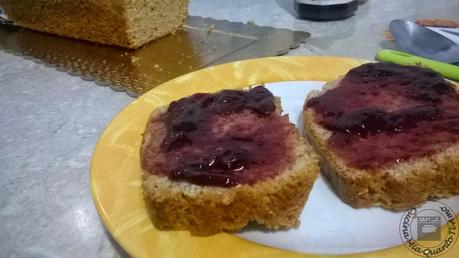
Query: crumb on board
[[134, 59], [388, 35]]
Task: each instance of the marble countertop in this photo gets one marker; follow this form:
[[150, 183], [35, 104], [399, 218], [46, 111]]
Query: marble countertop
[[50, 123]]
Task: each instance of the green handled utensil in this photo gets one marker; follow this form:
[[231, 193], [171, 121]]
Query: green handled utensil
[[447, 70]]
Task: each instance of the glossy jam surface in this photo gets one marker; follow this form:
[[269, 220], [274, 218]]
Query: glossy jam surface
[[223, 139], [382, 114]]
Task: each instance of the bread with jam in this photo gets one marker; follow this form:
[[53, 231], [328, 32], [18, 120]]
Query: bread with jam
[[387, 135], [215, 162]]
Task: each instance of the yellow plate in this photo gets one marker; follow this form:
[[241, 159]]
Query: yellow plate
[[115, 167]]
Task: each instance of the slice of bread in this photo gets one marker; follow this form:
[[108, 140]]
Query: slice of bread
[[204, 210], [397, 187], [124, 23]]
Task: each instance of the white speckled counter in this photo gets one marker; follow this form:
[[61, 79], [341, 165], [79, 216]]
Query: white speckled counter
[[50, 123]]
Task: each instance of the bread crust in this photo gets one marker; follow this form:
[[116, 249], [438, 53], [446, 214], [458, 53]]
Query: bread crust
[[204, 210], [398, 187]]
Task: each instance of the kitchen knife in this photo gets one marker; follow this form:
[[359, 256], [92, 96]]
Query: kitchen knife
[[447, 70]]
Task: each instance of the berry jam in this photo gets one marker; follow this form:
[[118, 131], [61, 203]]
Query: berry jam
[[382, 114], [223, 139]]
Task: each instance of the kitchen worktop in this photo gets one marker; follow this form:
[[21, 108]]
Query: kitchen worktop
[[50, 123]]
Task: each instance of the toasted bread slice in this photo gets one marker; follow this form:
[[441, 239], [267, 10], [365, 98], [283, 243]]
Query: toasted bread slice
[[396, 186], [203, 210]]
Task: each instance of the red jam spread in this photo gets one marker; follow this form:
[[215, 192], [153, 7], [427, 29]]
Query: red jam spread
[[382, 114], [223, 139]]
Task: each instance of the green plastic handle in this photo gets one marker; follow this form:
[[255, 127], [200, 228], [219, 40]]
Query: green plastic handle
[[447, 70]]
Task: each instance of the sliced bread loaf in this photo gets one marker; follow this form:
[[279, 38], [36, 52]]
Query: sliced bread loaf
[[125, 23]]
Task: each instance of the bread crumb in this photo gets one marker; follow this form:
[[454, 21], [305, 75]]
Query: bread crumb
[[210, 28], [135, 59], [388, 35]]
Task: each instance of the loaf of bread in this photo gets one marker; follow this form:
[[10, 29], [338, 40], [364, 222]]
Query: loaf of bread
[[125, 23], [195, 199], [387, 135]]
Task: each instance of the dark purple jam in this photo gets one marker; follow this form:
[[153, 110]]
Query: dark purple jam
[[382, 114], [224, 139]]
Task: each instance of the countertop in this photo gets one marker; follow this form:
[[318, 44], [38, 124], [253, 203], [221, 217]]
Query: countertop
[[50, 123]]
